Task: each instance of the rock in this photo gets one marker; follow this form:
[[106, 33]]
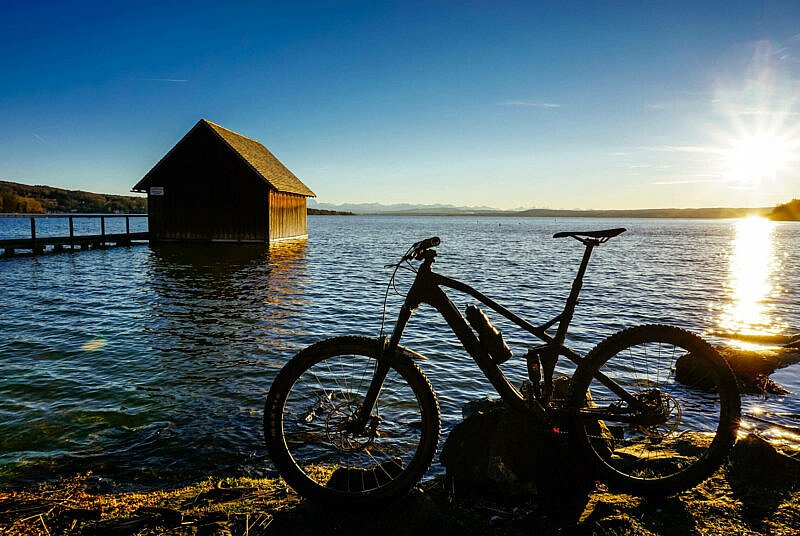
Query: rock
[[81, 514], [414, 514], [607, 518], [769, 339], [618, 524], [69, 520], [166, 517], [496, 451], [759, 362], [481, 405], [751, 368], [357, 479], [99, 485], [754, 459], [219, 528]]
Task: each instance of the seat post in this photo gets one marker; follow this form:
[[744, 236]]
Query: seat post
[[572, 300]]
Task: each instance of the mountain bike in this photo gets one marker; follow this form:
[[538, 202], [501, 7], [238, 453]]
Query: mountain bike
[[353, 420]]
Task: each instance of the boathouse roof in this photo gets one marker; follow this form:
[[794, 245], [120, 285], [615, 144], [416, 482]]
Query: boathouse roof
[[253, 153]]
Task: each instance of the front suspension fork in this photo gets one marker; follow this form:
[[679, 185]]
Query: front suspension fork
[[384, 363]]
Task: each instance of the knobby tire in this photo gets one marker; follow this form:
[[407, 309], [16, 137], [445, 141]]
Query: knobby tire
[[276, 422], [621, 470]]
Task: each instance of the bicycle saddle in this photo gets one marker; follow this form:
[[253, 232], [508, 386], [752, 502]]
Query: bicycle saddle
[[605, 233]]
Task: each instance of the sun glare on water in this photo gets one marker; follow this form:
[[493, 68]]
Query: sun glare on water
[[750, 280]]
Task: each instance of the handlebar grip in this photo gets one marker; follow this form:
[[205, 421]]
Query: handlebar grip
[[421, 246], [428, 243]]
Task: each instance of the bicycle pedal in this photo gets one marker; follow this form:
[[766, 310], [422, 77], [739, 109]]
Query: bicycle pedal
[[490, 337]]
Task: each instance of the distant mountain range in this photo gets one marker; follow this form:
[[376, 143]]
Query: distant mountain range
[[17, 197], [407, 209], [404, 208]]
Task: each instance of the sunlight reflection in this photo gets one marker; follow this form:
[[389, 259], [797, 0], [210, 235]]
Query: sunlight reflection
[[782, 437], [750, 282], [94, 344]]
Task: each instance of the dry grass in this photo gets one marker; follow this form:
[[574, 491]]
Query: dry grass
[[66, 506], [724, 504]]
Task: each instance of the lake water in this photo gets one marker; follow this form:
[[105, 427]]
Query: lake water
[[151, 364], [21, 227]]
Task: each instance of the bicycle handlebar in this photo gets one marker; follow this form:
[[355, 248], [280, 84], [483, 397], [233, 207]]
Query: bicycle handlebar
[[416, 250]]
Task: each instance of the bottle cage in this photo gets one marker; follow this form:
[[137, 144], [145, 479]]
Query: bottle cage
[[490, 337]]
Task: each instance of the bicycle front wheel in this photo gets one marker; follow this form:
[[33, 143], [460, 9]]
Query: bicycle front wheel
[[691, 417], [317, 395]]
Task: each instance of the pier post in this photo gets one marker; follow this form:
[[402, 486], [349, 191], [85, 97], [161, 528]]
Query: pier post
[[71, 234], [75, 241], [33, 235]]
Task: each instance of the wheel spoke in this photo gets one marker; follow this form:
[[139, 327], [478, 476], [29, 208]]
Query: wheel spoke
[[666, 444]]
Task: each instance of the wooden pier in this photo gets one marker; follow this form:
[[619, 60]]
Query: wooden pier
[[38, 245]]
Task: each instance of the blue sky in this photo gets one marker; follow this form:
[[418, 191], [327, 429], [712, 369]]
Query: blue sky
[[504, 104]]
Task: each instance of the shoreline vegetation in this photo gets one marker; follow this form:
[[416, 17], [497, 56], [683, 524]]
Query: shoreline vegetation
[[322, 212], [22, 198], [755, 492], [787, 212]]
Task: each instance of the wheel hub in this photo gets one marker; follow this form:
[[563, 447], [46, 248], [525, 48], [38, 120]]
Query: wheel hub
[[663, 414], [341, 432]]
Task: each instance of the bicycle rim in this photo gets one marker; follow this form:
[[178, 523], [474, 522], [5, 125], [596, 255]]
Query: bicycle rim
[[317, 400], [693, 409]]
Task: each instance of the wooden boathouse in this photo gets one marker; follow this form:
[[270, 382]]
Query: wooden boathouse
[[219, 186]]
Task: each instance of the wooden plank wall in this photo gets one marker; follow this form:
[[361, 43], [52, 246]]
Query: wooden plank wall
[[287, 215], [209, 194], [185, 213]]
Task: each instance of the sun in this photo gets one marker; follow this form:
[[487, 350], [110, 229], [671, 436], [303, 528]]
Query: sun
[[756, 147], [757, 158]]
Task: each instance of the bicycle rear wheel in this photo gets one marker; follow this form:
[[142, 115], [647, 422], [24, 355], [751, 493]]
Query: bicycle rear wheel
[[692, 415], [317, 394]]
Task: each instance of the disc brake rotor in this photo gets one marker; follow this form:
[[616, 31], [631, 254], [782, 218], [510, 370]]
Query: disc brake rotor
[[339, 430], [666, 407]]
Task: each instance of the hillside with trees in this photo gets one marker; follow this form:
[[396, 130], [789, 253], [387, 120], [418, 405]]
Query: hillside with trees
[[11, 202], [16, 197], [322, 212], [787, 212]]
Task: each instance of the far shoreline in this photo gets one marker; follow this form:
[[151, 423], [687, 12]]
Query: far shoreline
[[657, 214]]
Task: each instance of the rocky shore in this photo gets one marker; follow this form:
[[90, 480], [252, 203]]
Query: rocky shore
[[492, 486], [756, 492]]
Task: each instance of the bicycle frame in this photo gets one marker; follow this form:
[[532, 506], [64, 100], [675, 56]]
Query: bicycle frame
[[426, 288]]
